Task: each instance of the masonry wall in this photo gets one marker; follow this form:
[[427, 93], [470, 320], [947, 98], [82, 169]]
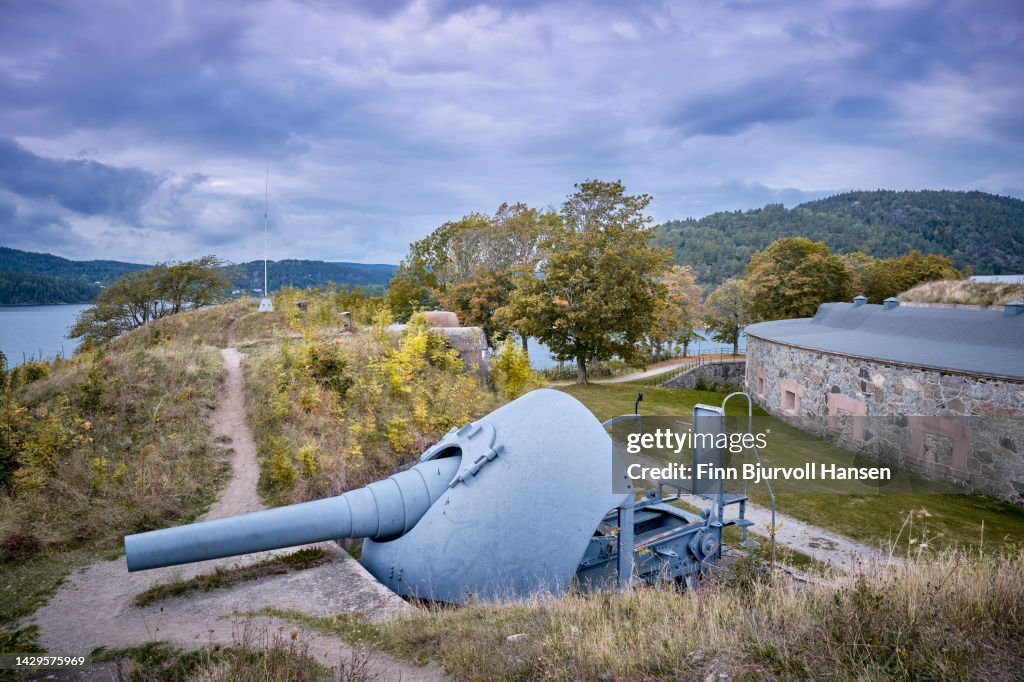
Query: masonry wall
[[950, 426], [727, 373]]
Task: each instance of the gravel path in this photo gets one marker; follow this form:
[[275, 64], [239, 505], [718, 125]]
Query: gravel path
[[839, 551], [94, 607]]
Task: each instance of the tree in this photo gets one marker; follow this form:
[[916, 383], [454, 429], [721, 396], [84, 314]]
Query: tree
[[600, 291], [893, 276], [793, 276], [727, 311], [147, 295], [192, 284], [681, 315], [469, 265]]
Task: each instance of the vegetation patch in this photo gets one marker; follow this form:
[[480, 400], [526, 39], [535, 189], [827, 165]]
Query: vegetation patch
[[956, 617], [333, 410], [256, 655], [228, 577], [113, 441], [964, 292]]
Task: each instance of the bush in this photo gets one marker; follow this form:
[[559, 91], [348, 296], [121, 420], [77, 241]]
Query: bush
[[511, 370]]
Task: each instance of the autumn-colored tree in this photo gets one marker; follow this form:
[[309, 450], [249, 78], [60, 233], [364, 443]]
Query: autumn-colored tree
[[727, 311], [469, 265], [893, 276], [599, 293], [681, 315], [793, 276]]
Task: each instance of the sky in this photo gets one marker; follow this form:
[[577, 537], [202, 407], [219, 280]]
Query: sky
[[144, 132]]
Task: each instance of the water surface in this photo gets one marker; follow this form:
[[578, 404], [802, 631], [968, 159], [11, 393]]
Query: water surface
[[37, 331]]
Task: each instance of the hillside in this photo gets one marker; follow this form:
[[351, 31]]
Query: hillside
[[28, 278], [309, 273], [102, 271], [974, 229], [24, 288]]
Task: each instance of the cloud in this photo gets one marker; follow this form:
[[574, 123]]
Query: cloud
[[81, 185], [382, 120]]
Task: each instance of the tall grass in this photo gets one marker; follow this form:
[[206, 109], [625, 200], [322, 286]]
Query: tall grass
[[955, 617], [111, 442], [964, 292]]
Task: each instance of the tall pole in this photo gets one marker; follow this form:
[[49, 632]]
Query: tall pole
[[266, 202]]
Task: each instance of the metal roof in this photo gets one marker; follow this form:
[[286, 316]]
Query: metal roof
[[984, 342]]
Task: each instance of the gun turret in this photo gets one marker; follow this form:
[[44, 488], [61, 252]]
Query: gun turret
[[512, 504]]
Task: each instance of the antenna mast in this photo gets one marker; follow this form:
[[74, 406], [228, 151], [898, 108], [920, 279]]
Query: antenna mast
[[266, 306]]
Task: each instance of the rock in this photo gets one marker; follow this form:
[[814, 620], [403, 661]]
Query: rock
[[518, 637]]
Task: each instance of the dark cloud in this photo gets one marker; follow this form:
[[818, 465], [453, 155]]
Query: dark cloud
[[764, 100], [83, 186], [38, 230]]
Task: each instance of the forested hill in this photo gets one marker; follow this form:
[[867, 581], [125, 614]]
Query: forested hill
[[310, 273], [90, 271], [28, 278], [974, 229]]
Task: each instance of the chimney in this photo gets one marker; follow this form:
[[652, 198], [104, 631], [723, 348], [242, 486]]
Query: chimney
[[1013, 308], [859, 300], [891, 302]]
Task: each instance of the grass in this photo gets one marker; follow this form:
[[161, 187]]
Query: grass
[[107, 443], [257, 655], [898, 518], [953, 617], [964, 292], [227, 577]]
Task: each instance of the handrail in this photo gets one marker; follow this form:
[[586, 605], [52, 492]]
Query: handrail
[[750, 429]]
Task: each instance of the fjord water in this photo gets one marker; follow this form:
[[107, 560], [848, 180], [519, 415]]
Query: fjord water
[[27, 331]]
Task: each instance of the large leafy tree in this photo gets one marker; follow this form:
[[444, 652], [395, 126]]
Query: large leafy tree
[[600, 291], [469, 265], [727, 311], [793, 276]]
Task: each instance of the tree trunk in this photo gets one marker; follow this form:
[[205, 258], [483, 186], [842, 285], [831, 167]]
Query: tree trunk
[[736, 344], [526, 344], [686, 348], [581, 370]]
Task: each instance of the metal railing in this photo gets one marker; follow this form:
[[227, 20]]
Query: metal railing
[[700, 359]]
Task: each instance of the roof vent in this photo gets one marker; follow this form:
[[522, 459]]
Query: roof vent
[[1013, 308], [891, 302], [859, 300]]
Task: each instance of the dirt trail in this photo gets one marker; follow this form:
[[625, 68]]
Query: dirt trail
[[94, 607]]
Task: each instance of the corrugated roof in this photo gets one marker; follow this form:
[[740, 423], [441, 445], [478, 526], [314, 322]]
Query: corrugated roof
[[977, 341]]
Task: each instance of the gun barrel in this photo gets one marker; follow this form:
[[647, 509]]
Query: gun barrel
[[382, 510]]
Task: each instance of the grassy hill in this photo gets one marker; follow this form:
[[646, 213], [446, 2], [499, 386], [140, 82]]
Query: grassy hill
[[974, 229]]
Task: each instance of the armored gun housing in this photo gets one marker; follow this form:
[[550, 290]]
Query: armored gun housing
[[517, 502]]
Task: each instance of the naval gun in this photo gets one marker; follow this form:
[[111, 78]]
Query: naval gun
[[518, 502]]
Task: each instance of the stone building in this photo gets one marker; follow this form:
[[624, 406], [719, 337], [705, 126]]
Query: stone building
[[470, 342], [936, 390]]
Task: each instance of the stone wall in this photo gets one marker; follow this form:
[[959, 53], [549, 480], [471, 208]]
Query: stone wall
[[952, 426], [728, 373]]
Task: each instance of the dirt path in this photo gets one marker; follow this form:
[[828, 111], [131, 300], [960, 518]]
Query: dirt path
[[839, 551], [95, 606]]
